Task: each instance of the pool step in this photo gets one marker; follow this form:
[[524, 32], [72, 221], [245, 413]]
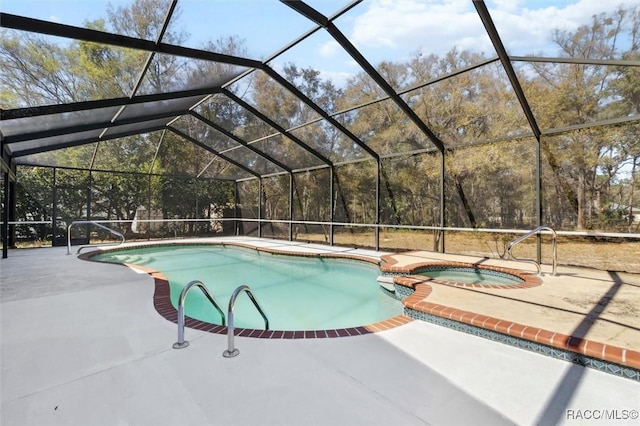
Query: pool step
[[386, 282]]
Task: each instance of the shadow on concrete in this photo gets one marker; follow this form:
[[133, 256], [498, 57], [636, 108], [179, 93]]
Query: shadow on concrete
[[558, 402]]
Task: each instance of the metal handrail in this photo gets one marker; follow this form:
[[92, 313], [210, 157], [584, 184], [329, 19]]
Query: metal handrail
[[231, 351], [554, 244], [181, 343], [76, 222]]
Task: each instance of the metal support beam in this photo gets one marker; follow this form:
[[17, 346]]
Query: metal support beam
[[78, 33], [276, 126], [260, 207], [236, 209], [440, 236], [377, 219], [5, 216], [22, 152], [489, 26], [332, 205], [338, 36], [240, 141], [37, 111], [61, 131], [308, 102], [290, 206], [208, 148]]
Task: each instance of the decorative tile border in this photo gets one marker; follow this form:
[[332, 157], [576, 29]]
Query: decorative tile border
[[608, 358], [164, 306], [412, 291]]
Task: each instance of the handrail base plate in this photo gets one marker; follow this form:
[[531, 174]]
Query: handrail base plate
[[178, 345], [230, 354]]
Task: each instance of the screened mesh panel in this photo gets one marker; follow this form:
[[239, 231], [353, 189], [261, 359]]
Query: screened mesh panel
[[275, 193], [193, 158], [226, 113], [265, 19], [474, 106], [562, 95], [71, 201], [425, 37], [118, 196], [20, 149], [158, 107], [172, 73], [313, 74], [490, 186], [329, 142], [292, 154], [225, 146], [355, 203], [67, 120], [133, 153], [578, 169], [275, 102], [34, 202], [247, 198], [410, 190], [143, 127], [385, 128], [272, 95], [79, 157]]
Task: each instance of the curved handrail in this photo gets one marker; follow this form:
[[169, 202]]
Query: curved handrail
[[231, 351], [554, 244], [181, 343], [76, 222]]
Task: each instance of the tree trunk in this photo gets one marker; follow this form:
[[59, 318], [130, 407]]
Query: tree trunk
[[465, 203], [581, 201]]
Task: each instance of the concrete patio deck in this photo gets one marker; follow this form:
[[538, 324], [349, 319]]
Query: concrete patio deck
[[82, 344], [587, 311]]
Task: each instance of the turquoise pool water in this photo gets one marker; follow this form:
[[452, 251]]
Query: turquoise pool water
[[297, 293], [466, 275]]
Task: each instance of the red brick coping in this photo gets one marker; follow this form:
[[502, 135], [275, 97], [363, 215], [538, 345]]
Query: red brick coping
[[528, 279], [417, 302], [163, 305]]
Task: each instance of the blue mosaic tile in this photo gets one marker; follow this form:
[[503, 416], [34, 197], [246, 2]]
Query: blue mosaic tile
[[576, 358]]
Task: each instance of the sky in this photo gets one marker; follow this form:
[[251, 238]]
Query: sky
[[382, 29]]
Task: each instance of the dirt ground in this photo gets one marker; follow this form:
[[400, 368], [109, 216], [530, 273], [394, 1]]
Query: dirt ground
[[621, 255], [598, 253]]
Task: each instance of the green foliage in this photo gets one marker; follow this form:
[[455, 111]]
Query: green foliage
[[487, 182]]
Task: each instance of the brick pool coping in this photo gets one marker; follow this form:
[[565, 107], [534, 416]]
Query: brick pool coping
[[389, 267], [162, 297], [422, 289], [414, 303]]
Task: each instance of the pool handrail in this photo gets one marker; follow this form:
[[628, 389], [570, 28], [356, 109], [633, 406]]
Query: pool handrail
[[231, 351], [554, 245], [76, 222], [181, 343]]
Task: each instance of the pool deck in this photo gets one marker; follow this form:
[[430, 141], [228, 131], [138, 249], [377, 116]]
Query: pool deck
[[82, 344]]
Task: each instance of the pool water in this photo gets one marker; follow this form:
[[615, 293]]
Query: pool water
[[296, 293], [471, 276]]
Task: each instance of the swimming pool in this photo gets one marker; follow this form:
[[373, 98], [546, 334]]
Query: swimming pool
[[297, 293]]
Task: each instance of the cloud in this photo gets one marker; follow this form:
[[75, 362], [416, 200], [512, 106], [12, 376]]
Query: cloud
[[395, 29], [329, 49]]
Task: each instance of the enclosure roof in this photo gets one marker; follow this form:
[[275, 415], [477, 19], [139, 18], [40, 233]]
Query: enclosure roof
[[209, 81]]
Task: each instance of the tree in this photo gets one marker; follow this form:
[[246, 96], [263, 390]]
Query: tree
[[574, 94]]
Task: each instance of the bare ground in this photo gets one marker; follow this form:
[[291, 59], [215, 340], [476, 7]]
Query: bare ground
[[597, 253]]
